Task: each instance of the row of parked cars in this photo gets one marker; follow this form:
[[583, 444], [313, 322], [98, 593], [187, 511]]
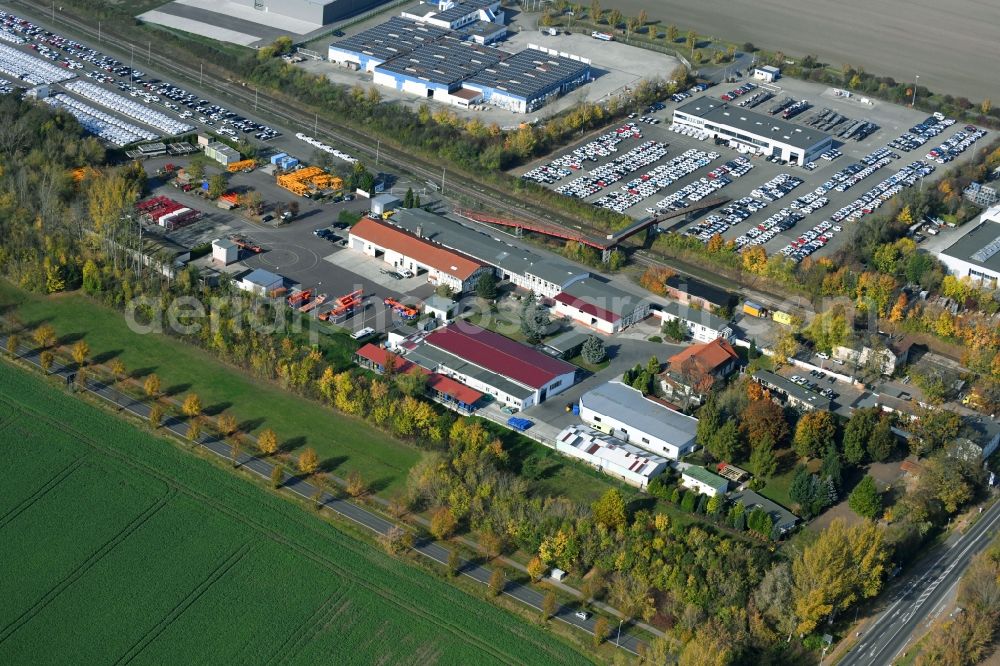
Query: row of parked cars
[[745, 89], [783, 220], [30, 69], [957, 144], [111, 128], [687, 130], [657, 178], [756, 99], [855, 172], [777, 187], [319, 145], [603, 146], [725, 218], [639, 157], [128, 108], [811, 240], [74, 55], [697, 88], [871, 200]]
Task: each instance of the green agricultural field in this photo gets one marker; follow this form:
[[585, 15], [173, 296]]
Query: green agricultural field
[[121, 547], [350, 442]]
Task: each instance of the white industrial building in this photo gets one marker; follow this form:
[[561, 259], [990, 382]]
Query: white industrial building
[[767, 73], [977, 253], [546, 276], [625, 413], [701, 325], [703, 482], [612, 456], [600, 306], [754, 132]]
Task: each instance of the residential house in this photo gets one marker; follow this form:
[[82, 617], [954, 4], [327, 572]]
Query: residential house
[[693, 372]]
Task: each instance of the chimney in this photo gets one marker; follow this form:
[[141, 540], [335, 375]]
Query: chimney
[[420, 231]]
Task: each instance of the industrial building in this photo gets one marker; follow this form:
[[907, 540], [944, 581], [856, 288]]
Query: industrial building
[[372, 47], [317, 12], [527, 80], [482, 21], [977, 253], [412, 252], [612, 456], [225, 251], [261, 282], [701, 325], [443, 388], [600, 306], [222, 153], [516, 375], [546, 276], [442, 55], [625, 413], [437, 70], [754, 132]]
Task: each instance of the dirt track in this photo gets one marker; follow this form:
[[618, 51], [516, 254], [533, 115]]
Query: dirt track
[[952, 45]]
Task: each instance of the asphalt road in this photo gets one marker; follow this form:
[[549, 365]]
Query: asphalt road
[[344, 508], [919, 595]]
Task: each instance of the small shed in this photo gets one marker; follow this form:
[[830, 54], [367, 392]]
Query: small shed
[[557, 575], [261, 282], [225, 251], [440, 307], [767, 73], [383, 203]]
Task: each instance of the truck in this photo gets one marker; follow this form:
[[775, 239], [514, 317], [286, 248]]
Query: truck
[[550, 31], [753, 309], [603, 36]]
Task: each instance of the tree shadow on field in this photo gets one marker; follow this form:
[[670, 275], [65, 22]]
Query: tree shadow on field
[[171, 391], [69, 338], [292, 443], [106, 356], [332, 463], [250, 425], [139, 373], [217, 408], [35, 323], [379, 485]]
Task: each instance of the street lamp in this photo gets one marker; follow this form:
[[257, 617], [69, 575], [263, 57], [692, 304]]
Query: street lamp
[[913, 102]]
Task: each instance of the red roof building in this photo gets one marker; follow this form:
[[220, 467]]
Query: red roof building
[[692, 372], [516, 375], [377, 359], [406, 251], [499, 354]]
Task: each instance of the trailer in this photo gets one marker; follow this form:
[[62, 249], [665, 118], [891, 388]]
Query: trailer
[[312, 305], [753, 309], [242, 165], [405, 311], [246, 243], [343, 306], [603, 36], [299, 297]]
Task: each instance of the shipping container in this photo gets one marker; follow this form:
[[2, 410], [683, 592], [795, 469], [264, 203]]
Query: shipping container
[[752, 309], [277, 158]]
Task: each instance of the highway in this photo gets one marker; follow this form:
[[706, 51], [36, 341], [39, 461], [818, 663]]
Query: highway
[[916, 599], [344, 508]]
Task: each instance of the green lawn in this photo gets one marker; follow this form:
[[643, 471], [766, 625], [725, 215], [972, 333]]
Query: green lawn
[[346, 443], [121, 546], [777, 488]]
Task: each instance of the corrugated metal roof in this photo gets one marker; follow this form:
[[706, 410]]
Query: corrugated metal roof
[[499, 354]]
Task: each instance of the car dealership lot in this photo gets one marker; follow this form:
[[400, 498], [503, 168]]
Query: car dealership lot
[[785, 208]]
